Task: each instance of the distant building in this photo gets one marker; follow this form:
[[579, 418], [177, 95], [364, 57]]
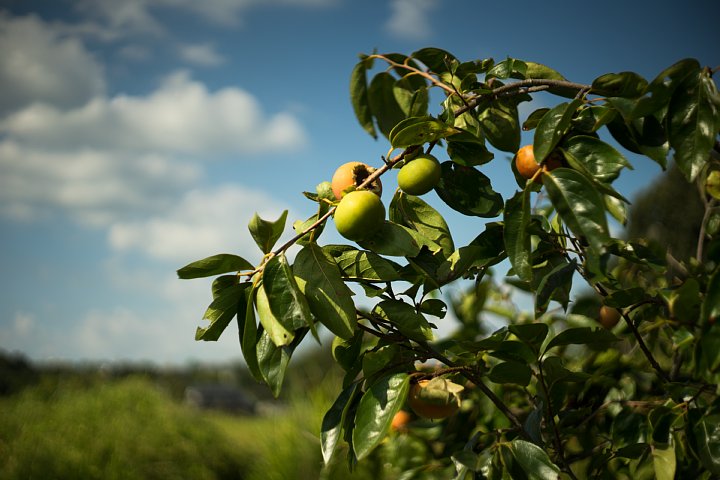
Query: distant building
[[227, 398]]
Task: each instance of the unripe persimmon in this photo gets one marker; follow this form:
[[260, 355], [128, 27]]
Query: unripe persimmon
[[352, 174], [608, 316], [419, 175], [359, 215]]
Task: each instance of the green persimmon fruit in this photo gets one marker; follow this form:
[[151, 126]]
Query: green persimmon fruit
[[359, 215], [419, 175]]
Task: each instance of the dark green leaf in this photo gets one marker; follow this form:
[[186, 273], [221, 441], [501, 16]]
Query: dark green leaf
[[552, 127], [501, 126], [415, 213], [362, 264], [516, 235], [599, 158], [582, 336], [555, 285], [707, 434], [329, 299], [286, 300], [410, 323], [624, 84], [626, 297], [694, 123], [273, 360], [555, 372], [579, 205], [468, 191], [511, 372], [359, 97], [534, 461], [436, 59], [266, 233], [591, 118], [223, 282], [382, 102], [215, 265], [531, 333], [510, 67], [377, 408], [249, 335], [534, 118], [221, 311], [662, 87], [468, 153], [378, 359], [395, 240], [710, 312], [412, 96], [331, 428]]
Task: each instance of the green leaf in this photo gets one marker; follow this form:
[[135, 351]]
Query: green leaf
[[624, 84], [382, 102], [410, 323], [534, 118], [377, 407], [286, 300], [468, 153], [415, 213], [362, 264], [534, 461], [599, 158], [436, 59], [662, 87], [507, 68], [273, 328], [707, 434], [249, 335], [590, 118], [517, 237], [468, 191], [693, 123], [215, 265], [582, 336], [331, 428], [555, 286], [664, 462], [221, 311], [501, 126], [329, 299], [511, 372], [273, 360], [412, 100], [266, 233], [712, 184], [395, 240], [359, 96], [418, 131], [538, 70], [378, 359], [532, 334], [552, 127], [579, 205]]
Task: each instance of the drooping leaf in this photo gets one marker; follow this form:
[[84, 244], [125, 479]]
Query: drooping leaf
[[249, 335], [707, 434], [436, 59], [468, 191], [410, 323], [579, 205], [694, 123], [501, 126], [286, 301], [331, 428], [266, 233], [415, 213], [359, 96], [511, 372], [582, 336], [273, 360], [663, 86], [215, 265], [329, 299], [534, 118], [534, 461], [664, 462], [396, 241], [559, 279], [710, 311], [377, 407], [469, 152], [412, 96], [552, 127], [221, 311], [532, 334], [624, 84], [382, 102], [516, 235], [599, 158], [273, 328]]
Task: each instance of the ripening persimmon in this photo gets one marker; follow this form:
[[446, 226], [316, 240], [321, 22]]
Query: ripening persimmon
[[353, 174], [434, 399], [400, 420], [527, 166], [608, 316]]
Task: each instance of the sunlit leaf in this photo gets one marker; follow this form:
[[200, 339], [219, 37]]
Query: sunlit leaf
[[517, 237], [266, 233], [215, 265]]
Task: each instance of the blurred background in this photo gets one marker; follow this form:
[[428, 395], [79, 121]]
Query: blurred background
[[138, 136]]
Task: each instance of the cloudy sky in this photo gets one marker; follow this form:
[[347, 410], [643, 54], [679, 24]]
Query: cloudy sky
[[139, 135]]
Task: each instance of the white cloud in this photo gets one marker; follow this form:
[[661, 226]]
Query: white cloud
[[38, 64], [182, 116], [202, 223], [203, 55], [410, 18]]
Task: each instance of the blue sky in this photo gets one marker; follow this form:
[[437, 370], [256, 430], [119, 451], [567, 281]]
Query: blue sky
[[140, 135]]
